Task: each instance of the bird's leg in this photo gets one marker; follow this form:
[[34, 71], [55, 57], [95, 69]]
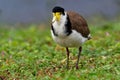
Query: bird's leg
[[67, 57], [80, 49]]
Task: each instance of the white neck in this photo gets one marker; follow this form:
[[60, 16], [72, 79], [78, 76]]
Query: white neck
[[59, 26]]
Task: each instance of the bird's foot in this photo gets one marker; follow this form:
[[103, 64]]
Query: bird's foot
[[67, 67], [77, 67]]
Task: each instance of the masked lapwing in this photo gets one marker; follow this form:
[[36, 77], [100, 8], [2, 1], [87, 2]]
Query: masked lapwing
[[69, 29]]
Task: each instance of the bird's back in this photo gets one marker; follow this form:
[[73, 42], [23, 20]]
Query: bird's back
[[78, 23]]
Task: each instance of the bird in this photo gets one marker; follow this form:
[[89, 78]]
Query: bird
[[69, 29]]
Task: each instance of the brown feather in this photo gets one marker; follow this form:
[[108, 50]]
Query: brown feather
[[78, 23]]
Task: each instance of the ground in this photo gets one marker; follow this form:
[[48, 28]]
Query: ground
[[31, 54]]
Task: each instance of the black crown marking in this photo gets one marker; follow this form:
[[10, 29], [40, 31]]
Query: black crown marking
[[58, 9]]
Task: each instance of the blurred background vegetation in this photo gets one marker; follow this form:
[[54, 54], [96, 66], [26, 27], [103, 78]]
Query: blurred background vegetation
[[23, 12]]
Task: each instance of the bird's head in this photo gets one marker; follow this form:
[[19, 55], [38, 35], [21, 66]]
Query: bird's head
[[57, 12]]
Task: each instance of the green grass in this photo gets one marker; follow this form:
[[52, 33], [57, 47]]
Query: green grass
[[31, 54]]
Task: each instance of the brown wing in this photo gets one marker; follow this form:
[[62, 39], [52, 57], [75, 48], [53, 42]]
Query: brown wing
[[78, 23]]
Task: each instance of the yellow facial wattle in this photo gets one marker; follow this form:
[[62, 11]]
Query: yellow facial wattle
[[57, 15]]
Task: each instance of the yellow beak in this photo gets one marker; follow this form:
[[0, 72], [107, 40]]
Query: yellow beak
[[57, 15]]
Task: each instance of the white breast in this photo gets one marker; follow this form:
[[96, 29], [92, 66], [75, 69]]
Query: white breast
[[75, 39]]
